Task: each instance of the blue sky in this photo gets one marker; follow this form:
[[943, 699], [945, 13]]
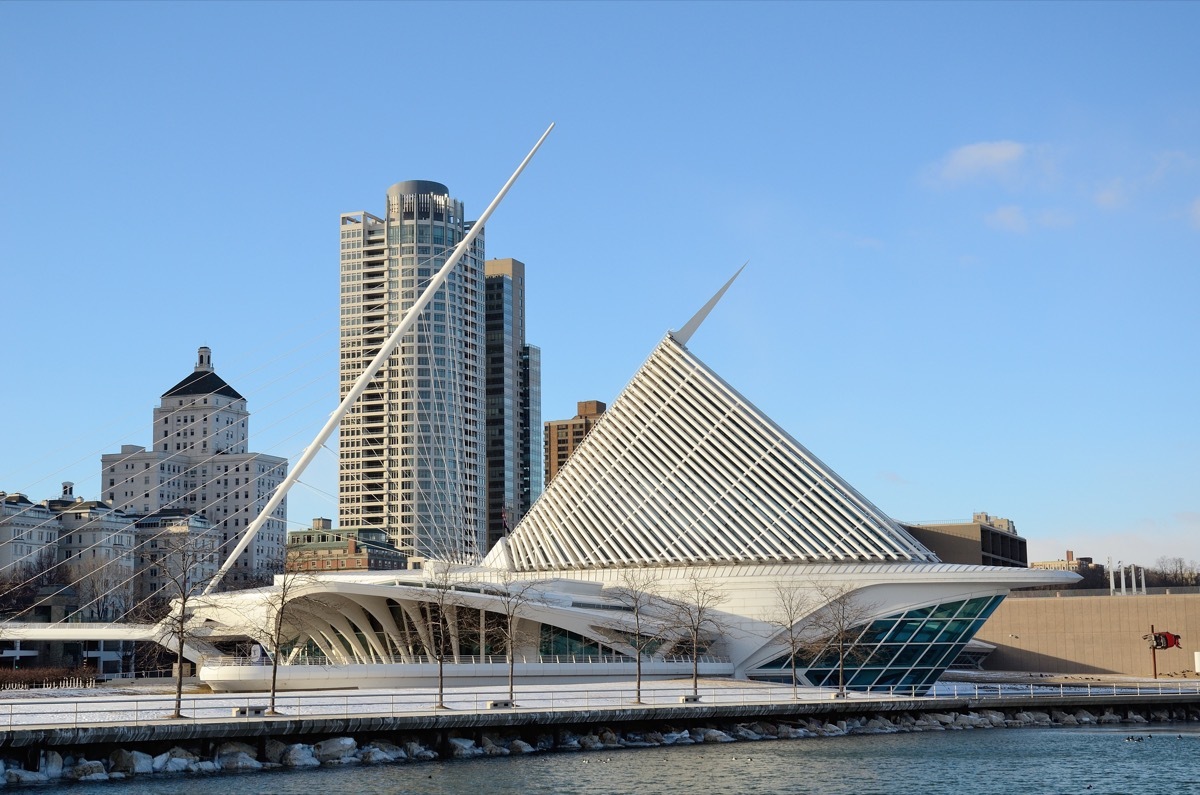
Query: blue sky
[[973, 230]]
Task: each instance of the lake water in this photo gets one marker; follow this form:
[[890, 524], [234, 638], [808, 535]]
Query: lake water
[[1029, 761]]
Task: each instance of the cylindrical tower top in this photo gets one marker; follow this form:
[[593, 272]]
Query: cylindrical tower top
[[204, 360], [418, 186]]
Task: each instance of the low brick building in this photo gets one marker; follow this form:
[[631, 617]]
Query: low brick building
[[323, 549]]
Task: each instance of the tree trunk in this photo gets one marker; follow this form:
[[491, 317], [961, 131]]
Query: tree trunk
[[274, 678], [276, 642], [842, 668], [178, 713], [441, 658], [637, 699], [441, 703], [512, 656]]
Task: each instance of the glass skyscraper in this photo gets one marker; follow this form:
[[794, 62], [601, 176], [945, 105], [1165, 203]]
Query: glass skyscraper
[[514, 422], [411, 457]]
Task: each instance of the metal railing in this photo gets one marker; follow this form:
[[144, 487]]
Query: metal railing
[[78, 711], [466, 659], [1058, 593], [982, 692]]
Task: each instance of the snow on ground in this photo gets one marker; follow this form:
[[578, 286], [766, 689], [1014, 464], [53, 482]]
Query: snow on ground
[[135, 704]]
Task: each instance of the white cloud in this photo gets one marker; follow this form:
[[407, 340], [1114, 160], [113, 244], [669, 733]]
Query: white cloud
[[1055, 219], [985, 160], [1010, 218], [1169, 164], [1194, 213], [1014, 218], [1112, 195]]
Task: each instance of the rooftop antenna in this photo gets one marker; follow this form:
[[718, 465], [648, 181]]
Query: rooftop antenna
[[367, 374]]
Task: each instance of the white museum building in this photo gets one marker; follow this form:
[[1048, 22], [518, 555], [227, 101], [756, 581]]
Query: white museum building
[[684, 489]]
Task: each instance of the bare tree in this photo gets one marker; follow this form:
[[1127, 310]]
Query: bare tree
[[793, 603], [639, 593], [21, 581], [280, 626], [836, 626], [1174, 572], [442, 626], [693, 614], [104, 588], [513, 594], [185, 567]]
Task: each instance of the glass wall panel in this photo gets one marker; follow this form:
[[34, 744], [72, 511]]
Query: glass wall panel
[[889, 678], [877, 631], [934, 654], [866, 677], [906, 649], [929, 631], [885, 653], [973, 607], [955, 630], [904, 630], [946, 610], [908, 656]]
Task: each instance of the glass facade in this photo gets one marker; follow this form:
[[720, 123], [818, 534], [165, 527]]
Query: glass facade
[[909, 649], [564, 643], [503, 452], [532, 476], [513, 401]]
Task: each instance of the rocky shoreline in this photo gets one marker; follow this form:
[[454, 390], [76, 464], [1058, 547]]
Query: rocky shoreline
[[86, 764]]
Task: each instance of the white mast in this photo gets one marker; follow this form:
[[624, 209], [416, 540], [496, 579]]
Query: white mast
[[365, 377]]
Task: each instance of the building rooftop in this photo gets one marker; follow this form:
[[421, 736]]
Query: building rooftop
[[203, 381]]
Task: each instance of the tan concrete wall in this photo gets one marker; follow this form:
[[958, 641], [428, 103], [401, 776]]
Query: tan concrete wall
[[1091, 634], [955, 543]]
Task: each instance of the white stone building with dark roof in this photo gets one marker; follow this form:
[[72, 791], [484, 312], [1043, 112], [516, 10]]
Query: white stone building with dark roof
[[199, 461]]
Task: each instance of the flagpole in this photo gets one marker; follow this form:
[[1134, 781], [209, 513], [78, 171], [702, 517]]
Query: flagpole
[[1153, 651]]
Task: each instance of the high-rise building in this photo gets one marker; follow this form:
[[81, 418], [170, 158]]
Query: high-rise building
[[533, 479], [199, 461], [514, 425], [563, 436], [411, 458]]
